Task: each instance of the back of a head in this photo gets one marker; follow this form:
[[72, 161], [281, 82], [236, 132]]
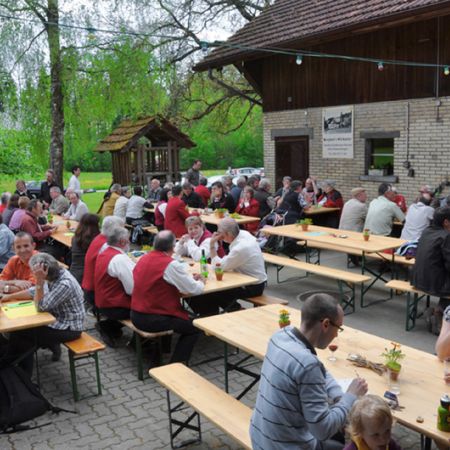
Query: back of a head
[[52, 264], [111, 222], [137, 190], [296, 184], [116, 187], [425, 199], [440, 215], [24, 202], [241, 182], [176, 190], [164, 241], [5, 197], [116, 235], [383, 188], [318, 307], [186, 186], [124, 190], [264, 183], [203, 181], [369, 409], [230, 226], [33, 203], [14, 201], [163, 195]]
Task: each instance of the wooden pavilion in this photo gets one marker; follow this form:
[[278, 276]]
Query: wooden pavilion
[[145, 148]]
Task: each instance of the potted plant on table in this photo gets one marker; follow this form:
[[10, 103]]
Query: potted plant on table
[[305, 223], [392, 358], [220, 212], [366, 234], [284, 320]]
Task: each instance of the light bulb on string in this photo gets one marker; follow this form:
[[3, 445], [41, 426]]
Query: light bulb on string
[[299, 60], [446, 70], [380, 66], [204, 47]]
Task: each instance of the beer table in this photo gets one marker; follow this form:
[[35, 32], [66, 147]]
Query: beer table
[[213, 219], [343, 241], [63, 234], [37, 319], [319, 210], [421, 377]]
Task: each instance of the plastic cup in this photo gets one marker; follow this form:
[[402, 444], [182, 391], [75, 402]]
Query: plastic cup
[[219, 275]]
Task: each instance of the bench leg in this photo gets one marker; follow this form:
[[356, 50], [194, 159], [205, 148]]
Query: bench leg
[[140, 364], [97, 372], [73, 376], [182, 425], [343, 301]]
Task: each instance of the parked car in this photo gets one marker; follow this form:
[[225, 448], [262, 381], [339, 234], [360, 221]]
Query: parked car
[[214, 178], [34, 187], [246, 171]]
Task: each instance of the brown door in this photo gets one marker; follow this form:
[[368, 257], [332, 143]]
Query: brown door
[[291, 158]]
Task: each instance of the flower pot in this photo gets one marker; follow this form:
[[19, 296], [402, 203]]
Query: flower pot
[[304, 227], [220, 214], [284, 324], [366, 237], [393, 374]]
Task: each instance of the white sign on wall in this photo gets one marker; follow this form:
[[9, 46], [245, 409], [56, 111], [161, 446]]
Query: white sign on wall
[[337, 132]]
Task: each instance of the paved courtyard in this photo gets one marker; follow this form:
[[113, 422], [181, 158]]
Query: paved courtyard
[[133, 414]]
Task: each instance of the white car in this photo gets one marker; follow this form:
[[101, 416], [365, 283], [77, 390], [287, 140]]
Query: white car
[[247, 171], [215, 178]]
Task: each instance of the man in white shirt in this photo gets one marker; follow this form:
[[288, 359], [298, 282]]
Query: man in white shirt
[[120, 207], [135, 206], [245, 257], [383, 211], [418, 217], [77, 208], [113, 284], [355, 211], [74, 182]]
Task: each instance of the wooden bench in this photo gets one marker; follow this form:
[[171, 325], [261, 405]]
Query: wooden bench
[[341, 276], [220, 408], [82, 348], [263, 300], [140, 337], [398, 259], [411, 303]]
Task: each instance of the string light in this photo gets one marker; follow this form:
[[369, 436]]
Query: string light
[[205, 46]]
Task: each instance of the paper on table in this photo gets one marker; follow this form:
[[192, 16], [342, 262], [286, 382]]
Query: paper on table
[[344, 383], [69, 234], [317, 233], [21, 309]]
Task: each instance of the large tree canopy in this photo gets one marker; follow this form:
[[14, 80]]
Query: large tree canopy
[[69, 73]]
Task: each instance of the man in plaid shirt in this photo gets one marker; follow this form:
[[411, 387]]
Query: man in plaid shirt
[[58, 293]]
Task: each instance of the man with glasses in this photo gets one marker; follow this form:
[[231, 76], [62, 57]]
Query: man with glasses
[[299, 404]]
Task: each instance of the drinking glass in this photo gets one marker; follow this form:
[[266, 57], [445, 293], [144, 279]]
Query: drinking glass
[[333, 346]]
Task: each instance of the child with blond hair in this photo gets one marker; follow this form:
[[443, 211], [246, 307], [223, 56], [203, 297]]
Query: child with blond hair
[[370, 426]]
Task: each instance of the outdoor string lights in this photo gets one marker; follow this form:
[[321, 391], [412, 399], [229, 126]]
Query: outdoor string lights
[[206, 46]]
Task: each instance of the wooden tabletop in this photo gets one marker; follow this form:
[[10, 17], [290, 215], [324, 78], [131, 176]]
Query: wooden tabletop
[[421, 378], [342, 238], [230, 280], [38, 319], [316, 210], [63, 234], [212, 219]]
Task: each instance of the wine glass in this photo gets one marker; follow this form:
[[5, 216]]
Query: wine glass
[[333, 346]]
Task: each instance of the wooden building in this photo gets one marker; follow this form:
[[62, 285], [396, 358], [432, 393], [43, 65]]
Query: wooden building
[[144, 149], [400, 113]]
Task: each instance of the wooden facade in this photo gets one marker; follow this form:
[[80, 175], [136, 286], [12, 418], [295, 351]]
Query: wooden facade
[[135, 160], [320, 82]]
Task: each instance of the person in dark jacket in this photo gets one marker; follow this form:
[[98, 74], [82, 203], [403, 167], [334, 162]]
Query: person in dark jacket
[[431, 272], [264, 198], [291, 204], [220, 199], [191, 198]]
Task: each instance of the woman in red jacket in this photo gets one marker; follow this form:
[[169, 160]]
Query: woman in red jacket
[[249, 206], [176, 213]]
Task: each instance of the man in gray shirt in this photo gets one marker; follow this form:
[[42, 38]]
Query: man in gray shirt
[[355, 211], [383, 211], [418, 217], [59, 204], [299, 404]]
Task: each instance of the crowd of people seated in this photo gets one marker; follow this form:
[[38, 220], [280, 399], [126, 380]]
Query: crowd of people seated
[[102, 276]]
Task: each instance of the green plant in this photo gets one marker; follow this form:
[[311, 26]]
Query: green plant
[[366, 232], [305, 221], [393, 356], [284, 316]]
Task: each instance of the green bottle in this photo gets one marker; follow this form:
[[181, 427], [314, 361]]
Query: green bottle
[[204, 265], [443, 423]]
